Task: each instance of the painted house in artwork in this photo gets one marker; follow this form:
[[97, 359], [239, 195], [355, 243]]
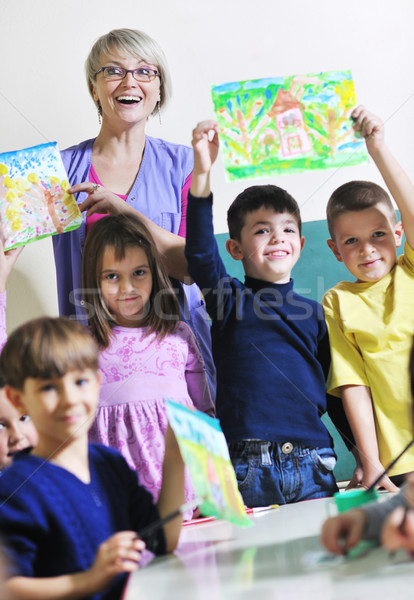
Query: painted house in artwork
[[288, 114]]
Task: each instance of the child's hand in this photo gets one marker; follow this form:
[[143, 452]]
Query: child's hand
[[344, 531], [7, 262], [398, 530], [370, 126], [371, 473], [119, 553], [358, 473], [205, 143]]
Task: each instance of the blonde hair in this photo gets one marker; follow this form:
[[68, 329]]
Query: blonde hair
[[47, 348], [120, 232], [133, 42]]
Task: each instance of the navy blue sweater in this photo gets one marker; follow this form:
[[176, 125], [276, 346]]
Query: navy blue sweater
[[270, 346], [52, 523]]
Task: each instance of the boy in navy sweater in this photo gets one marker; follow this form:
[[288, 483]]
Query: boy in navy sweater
[[270, 345]]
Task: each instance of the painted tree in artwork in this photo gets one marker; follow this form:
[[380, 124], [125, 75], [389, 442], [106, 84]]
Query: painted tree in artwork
[[34, 197]]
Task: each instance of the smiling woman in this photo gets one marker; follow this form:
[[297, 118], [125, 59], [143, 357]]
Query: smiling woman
[[123, 170]]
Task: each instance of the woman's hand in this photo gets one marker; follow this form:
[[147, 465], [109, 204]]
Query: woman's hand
[[99, 200]]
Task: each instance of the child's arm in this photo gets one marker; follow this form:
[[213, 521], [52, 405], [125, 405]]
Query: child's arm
[[118, 554], [397, 181], [359, 410], [7, 262], [205, 144], [398, 530], [172, 489]]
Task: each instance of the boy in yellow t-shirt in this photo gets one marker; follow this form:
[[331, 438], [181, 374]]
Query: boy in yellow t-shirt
[[371, 321]]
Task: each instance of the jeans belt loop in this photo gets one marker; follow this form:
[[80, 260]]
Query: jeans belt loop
[[287, 447], [266, 458]]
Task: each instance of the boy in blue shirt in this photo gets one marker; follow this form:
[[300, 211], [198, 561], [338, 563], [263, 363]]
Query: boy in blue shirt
[[270, 345]]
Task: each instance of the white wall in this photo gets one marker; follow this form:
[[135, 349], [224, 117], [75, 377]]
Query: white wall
[[43, 96]]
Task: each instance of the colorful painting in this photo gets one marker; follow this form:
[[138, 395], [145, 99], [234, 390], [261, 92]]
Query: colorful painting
[[285, 125], [34, 201], [205, 453]]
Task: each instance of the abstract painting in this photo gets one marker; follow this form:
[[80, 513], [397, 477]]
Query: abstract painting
[[205, 453], [285, 125], [34, 201]]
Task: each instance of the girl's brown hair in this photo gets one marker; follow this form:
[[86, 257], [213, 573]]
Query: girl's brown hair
[[47, 348], [120, 232]]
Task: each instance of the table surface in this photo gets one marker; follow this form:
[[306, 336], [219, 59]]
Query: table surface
[[278, 558]]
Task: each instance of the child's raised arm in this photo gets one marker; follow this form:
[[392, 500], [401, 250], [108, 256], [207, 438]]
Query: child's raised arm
[[205, 143], [7, 262], [396, 179]]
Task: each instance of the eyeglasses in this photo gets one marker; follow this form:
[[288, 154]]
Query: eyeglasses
[[115, 73]]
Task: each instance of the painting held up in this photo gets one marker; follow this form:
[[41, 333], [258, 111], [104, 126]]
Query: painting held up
[[34, 201], [285, 125]]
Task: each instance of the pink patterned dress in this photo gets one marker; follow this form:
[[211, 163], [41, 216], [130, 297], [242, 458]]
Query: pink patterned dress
[[139, 373]]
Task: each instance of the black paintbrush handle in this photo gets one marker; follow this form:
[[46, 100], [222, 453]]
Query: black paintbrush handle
[[155, 525]]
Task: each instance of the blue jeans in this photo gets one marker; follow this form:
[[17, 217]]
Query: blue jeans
[[271, 473]]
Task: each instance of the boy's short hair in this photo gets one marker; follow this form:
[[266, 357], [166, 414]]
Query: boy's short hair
[[256, 197], [47, 348], [355, 196]]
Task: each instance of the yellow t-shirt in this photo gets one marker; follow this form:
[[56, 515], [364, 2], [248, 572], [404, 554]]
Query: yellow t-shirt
[[371, 326]]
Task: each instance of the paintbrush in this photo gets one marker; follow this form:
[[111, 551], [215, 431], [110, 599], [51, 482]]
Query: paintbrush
[[155, 525]]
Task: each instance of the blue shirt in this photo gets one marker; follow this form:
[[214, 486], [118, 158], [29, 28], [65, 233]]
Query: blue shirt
[[52, 523], [270, 346]]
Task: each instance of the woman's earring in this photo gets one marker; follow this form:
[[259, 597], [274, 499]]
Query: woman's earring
[[98, 104], [159, 110]]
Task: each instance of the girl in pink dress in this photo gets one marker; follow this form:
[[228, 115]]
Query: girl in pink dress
[[147, 354]]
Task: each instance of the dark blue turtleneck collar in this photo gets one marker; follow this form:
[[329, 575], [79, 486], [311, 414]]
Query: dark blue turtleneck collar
[[258, 284]]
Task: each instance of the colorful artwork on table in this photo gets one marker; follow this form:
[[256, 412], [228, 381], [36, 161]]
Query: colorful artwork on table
[[205, 453], [34, 201], [284, 125]]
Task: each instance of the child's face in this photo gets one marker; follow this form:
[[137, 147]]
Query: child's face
[[270, 245], [16, 431], [126, 285], [61, 408], [366, 242]]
